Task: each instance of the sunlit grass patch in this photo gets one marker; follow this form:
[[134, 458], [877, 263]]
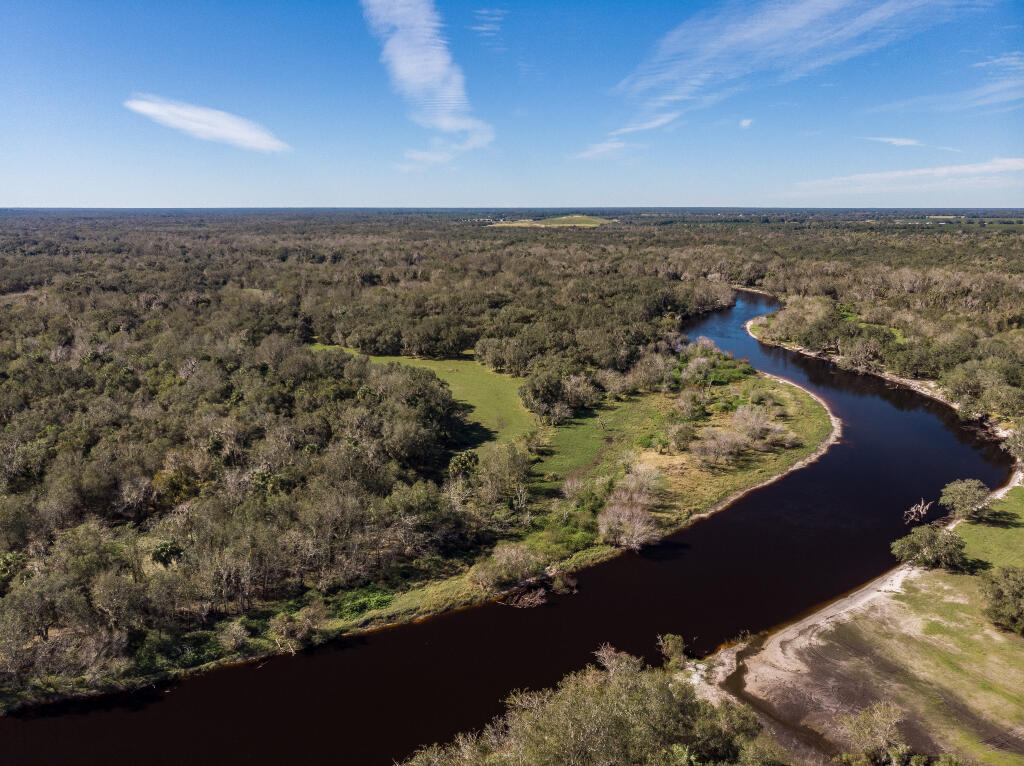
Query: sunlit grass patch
[[492, 398], [584, 221]]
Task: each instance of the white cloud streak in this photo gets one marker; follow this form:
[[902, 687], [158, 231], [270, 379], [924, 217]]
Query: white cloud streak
[[714, 54], [947, 176], [746, 123], [907, 142], [654, 122], [488, 22], [421, 68], [207, 124], [894, 141], [1005, 86], [599, 149]]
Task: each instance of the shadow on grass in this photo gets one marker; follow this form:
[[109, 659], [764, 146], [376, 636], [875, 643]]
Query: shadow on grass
[[1001, 519], [976, 566]]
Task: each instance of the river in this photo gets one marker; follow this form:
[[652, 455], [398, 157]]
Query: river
[[774, 554]]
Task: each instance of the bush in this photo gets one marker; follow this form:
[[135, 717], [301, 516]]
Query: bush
[[616, 713], [508, 564], [232, 636], [1004, 591]]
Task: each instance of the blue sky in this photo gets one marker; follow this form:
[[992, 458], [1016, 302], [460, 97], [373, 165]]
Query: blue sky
[[526, 103]]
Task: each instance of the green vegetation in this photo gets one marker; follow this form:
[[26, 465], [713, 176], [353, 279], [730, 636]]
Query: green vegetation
[[928, 546], [976, 360], [617, 712], [999, 539]]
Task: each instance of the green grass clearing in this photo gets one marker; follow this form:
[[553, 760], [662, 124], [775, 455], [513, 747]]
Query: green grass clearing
[[582, 221], [492, 398], [1000, 543]]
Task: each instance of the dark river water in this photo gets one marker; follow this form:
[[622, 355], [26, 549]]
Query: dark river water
[[774, 554]]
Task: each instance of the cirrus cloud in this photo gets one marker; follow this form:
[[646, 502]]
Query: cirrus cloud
[[421, 68], [206, 124], [916, 179]]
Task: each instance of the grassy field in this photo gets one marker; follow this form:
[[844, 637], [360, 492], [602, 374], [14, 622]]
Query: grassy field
[[582, 221], [932, 651], [594, 443], [491, 399]]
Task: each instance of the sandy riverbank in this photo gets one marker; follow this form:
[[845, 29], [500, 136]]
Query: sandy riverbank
[[793, 676]]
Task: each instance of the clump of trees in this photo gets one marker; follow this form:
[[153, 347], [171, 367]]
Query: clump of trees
[[626, 519], [966, 499], [615, 712]]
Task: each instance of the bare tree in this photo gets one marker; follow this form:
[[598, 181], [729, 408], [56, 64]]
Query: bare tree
[[916, 512]]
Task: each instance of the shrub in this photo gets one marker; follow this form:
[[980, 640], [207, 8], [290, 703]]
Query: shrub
[[232, 636], [509, 563], [680, 435], [717, 445], [1004, 591]]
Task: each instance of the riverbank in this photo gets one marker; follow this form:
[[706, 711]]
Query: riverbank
[[917, 638], [587, 451], [927, 388], [855, 651]]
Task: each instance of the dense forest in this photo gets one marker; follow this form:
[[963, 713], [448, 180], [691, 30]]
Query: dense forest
[[191, 428]]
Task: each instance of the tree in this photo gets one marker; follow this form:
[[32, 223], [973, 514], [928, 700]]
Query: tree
[[463, 464], [1004, 591], [872, 731], [1014, 444], [965, 499], [166, 552], [673, 649], [933, 548]]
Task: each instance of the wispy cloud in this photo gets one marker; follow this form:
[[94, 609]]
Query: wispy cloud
[[651, 124], [207, 124], [907, 142], [422, 70], [1004, 86], [1012, 62], [599, 149], [947, 176], [746, 123], [893, 141], [715, 54], [488, 22]]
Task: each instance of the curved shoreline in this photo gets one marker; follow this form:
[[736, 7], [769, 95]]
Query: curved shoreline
[[727, 676], [179, 675], [833, 437]]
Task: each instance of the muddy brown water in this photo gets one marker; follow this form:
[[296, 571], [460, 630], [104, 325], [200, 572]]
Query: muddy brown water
[[775, 553]]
